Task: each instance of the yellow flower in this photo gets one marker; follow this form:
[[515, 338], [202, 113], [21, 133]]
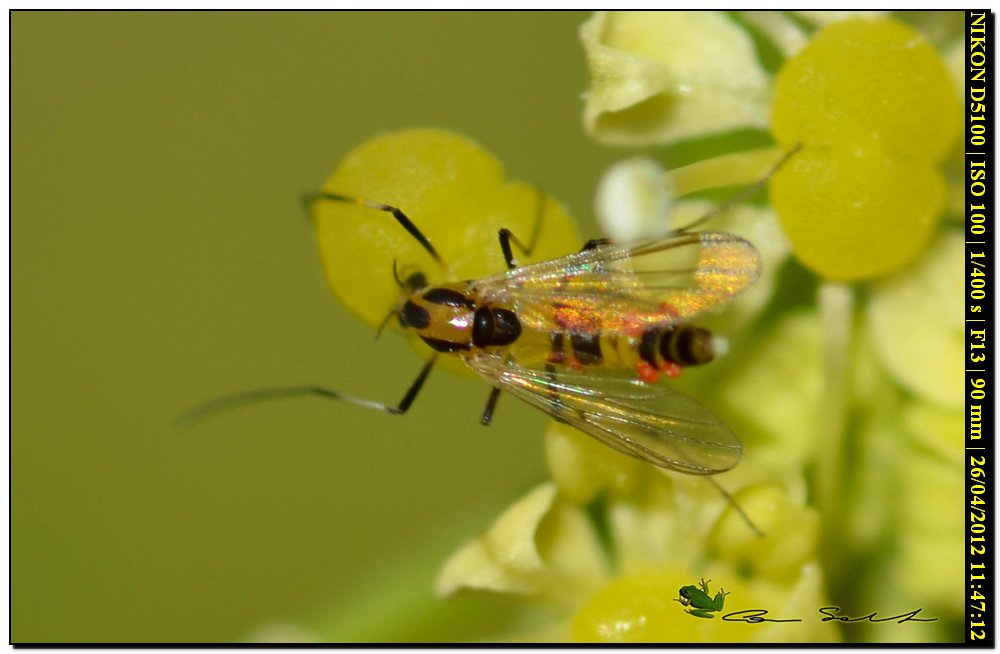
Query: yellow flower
[[607, 545], [874, 107], [456, 194], [868, 99], [658, 77], [849, 456], [847, 411]]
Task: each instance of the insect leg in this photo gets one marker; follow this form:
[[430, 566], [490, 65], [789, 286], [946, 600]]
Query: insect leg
[[411, 392], [745, 193], [550, 372], [385, 321], [737, 507], [210, 409], [506, 236], [593, 243], [491, 404], [312, 198]]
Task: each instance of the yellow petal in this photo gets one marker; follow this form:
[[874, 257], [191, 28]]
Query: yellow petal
[[791, 533], [505, 558], [876, 111], [876, 84], [939, 429], [540, 546], [582, 467], [640, 608], [777, 388], [659, 77], [915, 320], [855, 214], [454, 192], [926, 566]]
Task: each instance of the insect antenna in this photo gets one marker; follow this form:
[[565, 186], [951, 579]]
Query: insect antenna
[[736, 506], [220, 405], [746, 193], [413, 282], [395, 275], [311, 199]]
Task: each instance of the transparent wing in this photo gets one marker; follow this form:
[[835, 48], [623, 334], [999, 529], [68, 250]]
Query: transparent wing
[[650, 422], [621, 288]]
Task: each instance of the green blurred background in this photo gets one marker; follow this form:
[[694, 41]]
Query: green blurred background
[[160, 258]]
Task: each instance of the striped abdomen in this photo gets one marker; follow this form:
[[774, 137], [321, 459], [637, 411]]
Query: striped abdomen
[[658, 349]]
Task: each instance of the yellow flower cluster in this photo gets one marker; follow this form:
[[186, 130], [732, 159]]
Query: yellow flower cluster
[[849, 412], [850, 415]]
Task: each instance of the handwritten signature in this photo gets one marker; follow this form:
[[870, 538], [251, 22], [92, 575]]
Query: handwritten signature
[[755, 616]]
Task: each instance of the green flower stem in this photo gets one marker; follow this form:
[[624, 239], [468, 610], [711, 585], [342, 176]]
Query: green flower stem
[[739, 169], [836, 305]]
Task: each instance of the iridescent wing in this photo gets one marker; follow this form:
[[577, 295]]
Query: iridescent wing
[[650, 422], [624, 288]]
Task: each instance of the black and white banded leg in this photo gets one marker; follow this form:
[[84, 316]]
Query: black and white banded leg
[[222, 404]]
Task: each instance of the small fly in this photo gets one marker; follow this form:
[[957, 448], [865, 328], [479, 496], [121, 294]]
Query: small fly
[[583, 337]]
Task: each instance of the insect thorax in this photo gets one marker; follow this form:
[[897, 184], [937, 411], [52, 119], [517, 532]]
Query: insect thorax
[[451, 318]]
